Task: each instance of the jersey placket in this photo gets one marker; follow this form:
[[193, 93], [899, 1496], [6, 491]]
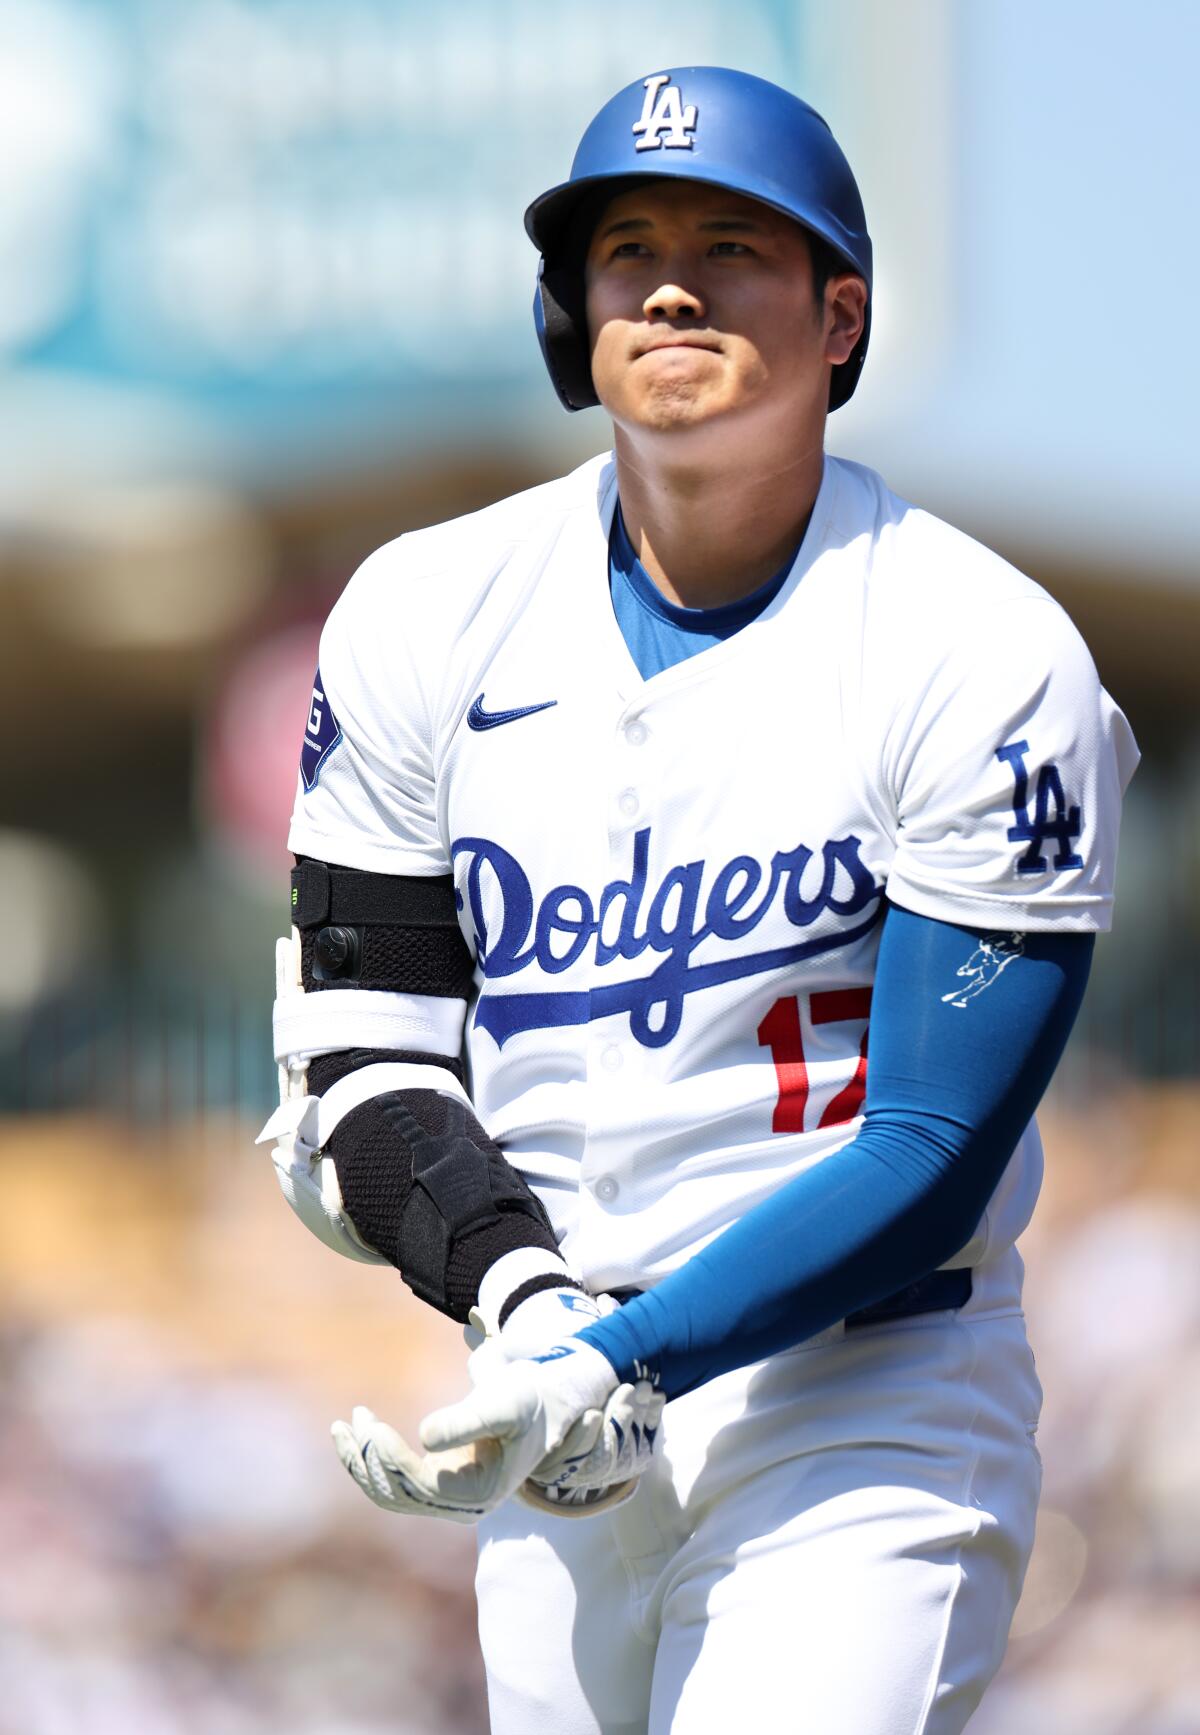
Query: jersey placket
[[617, 1064]]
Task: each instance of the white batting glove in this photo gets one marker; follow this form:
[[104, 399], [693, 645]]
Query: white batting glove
[[588, 1475], [549, 1317], [597, 1465], [452, 1485], [480, 1450]]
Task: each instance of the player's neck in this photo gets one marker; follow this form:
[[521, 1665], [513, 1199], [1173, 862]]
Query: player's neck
[[709, 534]]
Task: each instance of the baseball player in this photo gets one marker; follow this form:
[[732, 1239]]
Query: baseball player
[[635, 812]]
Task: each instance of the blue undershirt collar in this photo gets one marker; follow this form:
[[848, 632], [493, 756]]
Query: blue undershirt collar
[[659, 633]]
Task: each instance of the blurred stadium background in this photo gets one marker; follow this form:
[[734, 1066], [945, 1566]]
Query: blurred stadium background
[[264, 306]]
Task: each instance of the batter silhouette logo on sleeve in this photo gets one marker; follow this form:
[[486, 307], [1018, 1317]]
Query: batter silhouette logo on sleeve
[[990, 957], [665, 120], [1052, 817]]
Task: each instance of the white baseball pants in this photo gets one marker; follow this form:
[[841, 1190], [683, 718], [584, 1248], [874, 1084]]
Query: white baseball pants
[[832, 1543]]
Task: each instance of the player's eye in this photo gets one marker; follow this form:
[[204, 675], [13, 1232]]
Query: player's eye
[[629, 250], [728, 249]]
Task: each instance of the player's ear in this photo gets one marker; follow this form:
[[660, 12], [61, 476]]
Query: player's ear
[[845, 315]]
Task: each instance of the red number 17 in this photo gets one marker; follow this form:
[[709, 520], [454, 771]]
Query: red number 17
[[780, 1032]]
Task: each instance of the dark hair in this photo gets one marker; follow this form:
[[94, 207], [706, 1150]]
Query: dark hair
[[572, 249], [826, 263]]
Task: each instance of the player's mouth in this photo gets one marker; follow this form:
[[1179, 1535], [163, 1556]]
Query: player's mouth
[[676, 340]]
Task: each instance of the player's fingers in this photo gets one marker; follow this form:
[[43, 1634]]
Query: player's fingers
[[378, 1484], [503, 1408], [581, 1441], [397, 1473], [362, 1420], [359, 1452], [455, 1425], [392, 1448], [379, 1459], [350, 1452]]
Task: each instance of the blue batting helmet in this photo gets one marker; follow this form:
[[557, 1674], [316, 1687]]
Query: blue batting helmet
[[702, 123]]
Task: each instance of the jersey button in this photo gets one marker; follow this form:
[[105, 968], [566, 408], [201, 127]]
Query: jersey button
[[635, 734], [606, 1189], [628, 802], [610, 1059]]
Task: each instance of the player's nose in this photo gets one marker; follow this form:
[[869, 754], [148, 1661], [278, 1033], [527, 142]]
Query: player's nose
[[672, 301]]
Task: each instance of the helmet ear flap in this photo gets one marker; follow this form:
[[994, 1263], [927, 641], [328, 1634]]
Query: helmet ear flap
[[561, 322]]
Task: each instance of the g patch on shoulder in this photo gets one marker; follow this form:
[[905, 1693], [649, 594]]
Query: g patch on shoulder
[[321, 735]]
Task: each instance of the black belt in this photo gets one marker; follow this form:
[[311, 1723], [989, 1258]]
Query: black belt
[[936, 1293], [932, 1294]]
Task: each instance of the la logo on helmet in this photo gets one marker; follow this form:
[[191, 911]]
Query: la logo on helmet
[[664, 121]]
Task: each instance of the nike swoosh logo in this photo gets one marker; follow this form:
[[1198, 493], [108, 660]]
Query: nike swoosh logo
[[478, 718]]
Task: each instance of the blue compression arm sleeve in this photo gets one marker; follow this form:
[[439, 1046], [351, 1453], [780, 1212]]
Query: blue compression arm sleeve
[[950, 1089]]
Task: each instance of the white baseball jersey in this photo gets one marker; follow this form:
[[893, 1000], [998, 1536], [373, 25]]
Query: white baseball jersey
[[674, 886]]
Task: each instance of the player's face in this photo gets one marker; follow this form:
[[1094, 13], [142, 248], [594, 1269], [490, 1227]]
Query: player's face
[[701, 311]]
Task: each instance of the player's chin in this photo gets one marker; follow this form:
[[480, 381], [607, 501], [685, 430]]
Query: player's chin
[[674, 405], [679, 374]]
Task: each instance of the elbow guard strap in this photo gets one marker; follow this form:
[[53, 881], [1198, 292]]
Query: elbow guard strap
[[312, 1120], [310, 1024], [388, 932], [376, 961]]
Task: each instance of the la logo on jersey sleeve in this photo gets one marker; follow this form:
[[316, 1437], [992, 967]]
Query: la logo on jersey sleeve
[[1052, 817], [322, 733]]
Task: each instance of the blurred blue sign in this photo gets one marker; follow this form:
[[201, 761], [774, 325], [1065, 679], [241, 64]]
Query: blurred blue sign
[[257, 207]]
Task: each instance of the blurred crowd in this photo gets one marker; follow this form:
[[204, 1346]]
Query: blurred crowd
[[1104, 1639], [178, 1562], [184, 1556]]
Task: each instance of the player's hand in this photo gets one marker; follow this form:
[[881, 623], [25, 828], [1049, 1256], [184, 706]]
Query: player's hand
[[596, 1470], [603, 1454], [597, 1465], [452, 1485], [479, 1451]]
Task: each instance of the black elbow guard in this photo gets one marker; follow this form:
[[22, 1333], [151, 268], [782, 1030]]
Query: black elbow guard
[[425, 1186]]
